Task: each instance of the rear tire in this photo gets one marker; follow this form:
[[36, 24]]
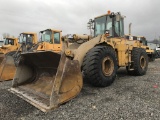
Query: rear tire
[[99, 66], [140, 62]]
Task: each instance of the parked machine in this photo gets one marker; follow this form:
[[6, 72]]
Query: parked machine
[[7, 50], [9, 45], [46, 42], [26, 41], [142, 39], [46, 79], [29, 42], [158, 52], [150, 52], [50, 41]]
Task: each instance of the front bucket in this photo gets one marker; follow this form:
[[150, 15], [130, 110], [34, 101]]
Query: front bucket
[[7, 68], [47, 79]]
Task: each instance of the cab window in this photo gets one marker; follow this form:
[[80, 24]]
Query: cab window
[[57, 38], [8, 41]]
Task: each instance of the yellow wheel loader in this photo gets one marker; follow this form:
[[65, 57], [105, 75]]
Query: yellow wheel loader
[[7, 68], [150, 52], [50, 40], [7, 50], [47, 79], [9, 44], [28, 40]]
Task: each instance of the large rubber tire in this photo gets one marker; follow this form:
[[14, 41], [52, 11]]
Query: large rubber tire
[[140, 61], [93, 68]]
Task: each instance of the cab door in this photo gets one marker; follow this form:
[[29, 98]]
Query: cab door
[[57, 45]]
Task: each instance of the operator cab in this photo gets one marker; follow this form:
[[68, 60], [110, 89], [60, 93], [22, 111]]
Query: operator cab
[[110, 23], [50, 36], [143, 40], [26, 38], [8, 41]]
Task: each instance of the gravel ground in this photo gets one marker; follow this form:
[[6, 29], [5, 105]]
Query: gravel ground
[[128, 98]]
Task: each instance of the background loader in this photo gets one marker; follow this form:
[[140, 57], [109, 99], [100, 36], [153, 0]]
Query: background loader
[[158, 52], [50, 40], [29, 42], [47, 79], [7, 50], [150, 52], [26, 41], [45, 43], [9, 45]]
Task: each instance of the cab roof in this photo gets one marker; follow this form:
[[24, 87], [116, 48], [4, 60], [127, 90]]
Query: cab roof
[[53, 30], [31, 33]]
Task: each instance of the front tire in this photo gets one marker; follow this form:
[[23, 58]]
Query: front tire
[[99, 66]]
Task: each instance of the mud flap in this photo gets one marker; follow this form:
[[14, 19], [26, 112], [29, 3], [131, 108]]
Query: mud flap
[[47, 79], [7, 68]]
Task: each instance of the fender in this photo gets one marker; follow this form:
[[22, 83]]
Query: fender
[[85, 47]]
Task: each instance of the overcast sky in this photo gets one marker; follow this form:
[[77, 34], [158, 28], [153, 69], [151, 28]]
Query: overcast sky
[[71, 16]]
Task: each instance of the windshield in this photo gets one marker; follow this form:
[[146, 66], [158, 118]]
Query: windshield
[[46, 36], [8, 41], [27, 38], [102, 24], [105, 23]]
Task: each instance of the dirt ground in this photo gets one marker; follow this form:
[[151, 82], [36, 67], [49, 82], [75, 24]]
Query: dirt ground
[[128, 98]]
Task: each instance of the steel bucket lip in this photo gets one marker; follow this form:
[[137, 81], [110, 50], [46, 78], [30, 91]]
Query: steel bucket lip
[[31, 100], [45, 51]]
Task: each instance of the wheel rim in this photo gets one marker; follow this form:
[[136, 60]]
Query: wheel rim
[[142, 62], [107, 66]]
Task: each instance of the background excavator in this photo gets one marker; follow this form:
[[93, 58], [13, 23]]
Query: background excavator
[[47, 79]]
